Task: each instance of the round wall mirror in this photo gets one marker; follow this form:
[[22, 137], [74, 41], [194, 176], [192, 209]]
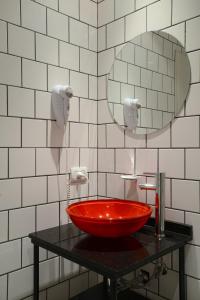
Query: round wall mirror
[[148, 82]]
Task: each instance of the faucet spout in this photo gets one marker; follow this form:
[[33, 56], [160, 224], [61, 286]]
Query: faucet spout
[[147, 186], [159, 189]]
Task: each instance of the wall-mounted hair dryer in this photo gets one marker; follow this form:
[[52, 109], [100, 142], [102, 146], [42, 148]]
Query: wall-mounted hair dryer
[[60, 97]]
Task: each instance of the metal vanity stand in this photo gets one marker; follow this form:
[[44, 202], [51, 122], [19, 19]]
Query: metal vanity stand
[[112, 258]]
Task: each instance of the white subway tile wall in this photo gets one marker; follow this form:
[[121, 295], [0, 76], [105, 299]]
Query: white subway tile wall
[[43, 43], [175, 149], [16, 45], [60, 31], [62, 38]]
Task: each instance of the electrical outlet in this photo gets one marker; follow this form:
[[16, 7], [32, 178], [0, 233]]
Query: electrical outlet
[[145, 275], [79, 175]]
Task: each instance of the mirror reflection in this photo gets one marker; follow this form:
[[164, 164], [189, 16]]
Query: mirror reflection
[[148, 82]]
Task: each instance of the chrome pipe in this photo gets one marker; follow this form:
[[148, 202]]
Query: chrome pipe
[[160, 206], [159, 189]]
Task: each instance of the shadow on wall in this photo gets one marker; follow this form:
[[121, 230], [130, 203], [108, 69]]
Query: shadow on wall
[[131, 190]]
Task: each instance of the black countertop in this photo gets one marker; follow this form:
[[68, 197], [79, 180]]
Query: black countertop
[[112, 258]]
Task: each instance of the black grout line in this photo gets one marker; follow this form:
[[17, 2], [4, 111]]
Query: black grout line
[[69, 26], [20, 8], [114, 9], [106, 38], [21, 251], [79, 9], [47, 36], [146, 18], [130, 41], [34, 108], [88, 129], [170, 182], [139, 86], [126, 15], [21, 64], [35, 47], [22, 198], [35, 162], [171, 12], [21, 133], [88, 29], [8, 151], [7, 42], [184, 164], [46, 10], [47, 189], [185, 36], [8, 225], [108, 147], [47, 76], [48, 141], [143, 8], [199, 193], [7, 277], [172, 178], [135, 4], [7, 100]]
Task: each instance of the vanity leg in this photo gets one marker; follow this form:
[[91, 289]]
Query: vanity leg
[[36, 272], [105, 283], [113, 289], [182, 277]]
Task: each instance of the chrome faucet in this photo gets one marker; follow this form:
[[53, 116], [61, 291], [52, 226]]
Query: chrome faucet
[[159, 188]]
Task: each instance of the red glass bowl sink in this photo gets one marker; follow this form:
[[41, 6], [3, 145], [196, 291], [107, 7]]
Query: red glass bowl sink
[[109, 217]]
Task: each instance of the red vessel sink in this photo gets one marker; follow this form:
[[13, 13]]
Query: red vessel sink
[[109, 217]]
